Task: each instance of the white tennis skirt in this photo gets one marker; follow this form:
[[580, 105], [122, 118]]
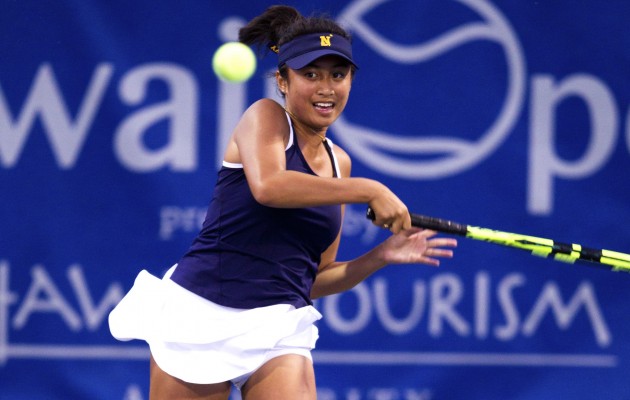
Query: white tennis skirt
[[198, 341]]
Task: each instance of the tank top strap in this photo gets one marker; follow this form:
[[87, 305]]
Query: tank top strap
[[333, 158], [291, 139]]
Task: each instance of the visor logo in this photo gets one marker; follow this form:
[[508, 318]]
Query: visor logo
[[325, 40]]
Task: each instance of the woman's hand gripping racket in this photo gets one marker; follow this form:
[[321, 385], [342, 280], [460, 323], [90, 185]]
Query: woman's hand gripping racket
[[569, 253]]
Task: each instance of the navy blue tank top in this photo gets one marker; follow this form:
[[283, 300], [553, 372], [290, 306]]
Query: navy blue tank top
[[248, 255]]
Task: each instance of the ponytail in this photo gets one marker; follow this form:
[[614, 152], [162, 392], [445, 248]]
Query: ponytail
[[280, 24], [267, 30]]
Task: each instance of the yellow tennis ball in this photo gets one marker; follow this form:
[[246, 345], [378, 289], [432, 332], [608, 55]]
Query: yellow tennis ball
[[234, 62]]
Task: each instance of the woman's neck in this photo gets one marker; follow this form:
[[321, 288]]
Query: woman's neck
[[311, 135]]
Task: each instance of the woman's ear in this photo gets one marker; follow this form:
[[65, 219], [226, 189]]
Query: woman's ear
[[282, 83]]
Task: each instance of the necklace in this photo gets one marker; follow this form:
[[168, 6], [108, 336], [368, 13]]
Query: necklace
[[294, 118], [324, 141]]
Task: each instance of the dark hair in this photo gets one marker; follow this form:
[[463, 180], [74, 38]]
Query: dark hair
[[280, 24]]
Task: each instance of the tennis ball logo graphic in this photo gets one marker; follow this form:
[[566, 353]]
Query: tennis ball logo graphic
[[422, 154], [234, 62]]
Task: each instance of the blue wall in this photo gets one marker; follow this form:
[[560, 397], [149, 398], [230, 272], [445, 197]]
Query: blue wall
[[512, 115]]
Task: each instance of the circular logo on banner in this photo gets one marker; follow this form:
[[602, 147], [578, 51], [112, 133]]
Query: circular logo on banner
[[423, 156]]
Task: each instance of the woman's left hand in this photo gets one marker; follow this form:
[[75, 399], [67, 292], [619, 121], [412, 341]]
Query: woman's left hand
[[417, 245]]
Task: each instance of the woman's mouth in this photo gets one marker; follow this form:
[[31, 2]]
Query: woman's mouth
[[324, 106]]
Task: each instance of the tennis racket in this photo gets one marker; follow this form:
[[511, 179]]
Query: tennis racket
[[542, 247]]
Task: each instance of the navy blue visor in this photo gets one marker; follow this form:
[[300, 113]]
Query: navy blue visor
[[305, 49]]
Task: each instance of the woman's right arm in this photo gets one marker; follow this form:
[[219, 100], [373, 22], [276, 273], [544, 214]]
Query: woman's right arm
[[259, 142]]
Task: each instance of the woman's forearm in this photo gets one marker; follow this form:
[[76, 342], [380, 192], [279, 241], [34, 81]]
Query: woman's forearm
[[340, 276]]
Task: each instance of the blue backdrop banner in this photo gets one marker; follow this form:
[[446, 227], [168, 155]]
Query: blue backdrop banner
[[513, 115]]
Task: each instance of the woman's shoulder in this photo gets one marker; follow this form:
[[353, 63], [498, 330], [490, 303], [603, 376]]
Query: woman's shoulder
[[266, 114], [264, 118], [266, 106]]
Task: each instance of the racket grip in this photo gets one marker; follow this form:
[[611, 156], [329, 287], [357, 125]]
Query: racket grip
[[435, 224], [438, 224]]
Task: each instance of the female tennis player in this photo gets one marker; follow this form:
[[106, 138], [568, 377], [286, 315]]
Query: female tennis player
[[236, 310]]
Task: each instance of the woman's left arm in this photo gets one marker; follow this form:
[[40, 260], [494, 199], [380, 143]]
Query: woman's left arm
[[411, 246]]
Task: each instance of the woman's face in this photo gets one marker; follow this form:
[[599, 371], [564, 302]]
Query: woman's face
[[318, 93]]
